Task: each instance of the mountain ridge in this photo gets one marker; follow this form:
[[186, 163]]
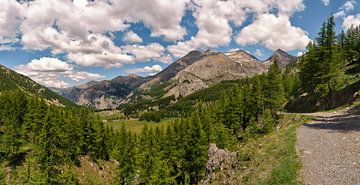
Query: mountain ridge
[[188, 74], [11, 80]]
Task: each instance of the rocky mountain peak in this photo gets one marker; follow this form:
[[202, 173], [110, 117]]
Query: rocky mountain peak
[[282, 57], [239, 55]]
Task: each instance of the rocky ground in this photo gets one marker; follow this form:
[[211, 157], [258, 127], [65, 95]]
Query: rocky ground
[[329, 149]]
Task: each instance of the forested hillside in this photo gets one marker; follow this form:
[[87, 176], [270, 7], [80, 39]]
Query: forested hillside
[[10, 80], [329, 71], [46, 141], [43, 143]]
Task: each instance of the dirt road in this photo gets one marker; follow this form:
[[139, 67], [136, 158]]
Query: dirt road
[[329, 149]]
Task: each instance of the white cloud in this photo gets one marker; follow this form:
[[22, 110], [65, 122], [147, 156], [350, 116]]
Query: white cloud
[[325, 2], [132, 37], [300, 53], [153, 51], [274, 32], [82, 75], [258, 53], [163, 17], [6, 48], [351, 20], [103, 59], [10, 18], [80, 28], [147, 69], [348, 6], [51, 71], [340, 13], [213, 18], [46, 64]]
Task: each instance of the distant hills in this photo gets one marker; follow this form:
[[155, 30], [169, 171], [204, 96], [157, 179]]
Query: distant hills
[[11, 80], [196, 70]]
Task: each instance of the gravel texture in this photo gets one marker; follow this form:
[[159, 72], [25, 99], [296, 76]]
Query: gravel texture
[[329, 149]]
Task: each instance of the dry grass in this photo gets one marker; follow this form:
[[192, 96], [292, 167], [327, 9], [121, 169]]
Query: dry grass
[[136, 125]]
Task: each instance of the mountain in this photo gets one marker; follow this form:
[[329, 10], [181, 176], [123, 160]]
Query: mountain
[[173, 69], [282, 57], [196, 70], [107, 94], [213, 68], [11, 80]]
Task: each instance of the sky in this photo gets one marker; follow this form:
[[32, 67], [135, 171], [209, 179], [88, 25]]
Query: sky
[[63, 43]]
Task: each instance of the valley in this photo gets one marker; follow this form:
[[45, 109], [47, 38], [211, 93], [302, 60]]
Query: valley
[[179, 93], [191, 73]]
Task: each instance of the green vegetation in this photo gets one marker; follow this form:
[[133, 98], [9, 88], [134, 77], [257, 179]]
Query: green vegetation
[[272, 159], [134, 125], [328, 71], [41, 143], [46, 144], [10, 80]]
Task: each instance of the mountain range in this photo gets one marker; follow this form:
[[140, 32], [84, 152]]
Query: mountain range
[[195, 71]]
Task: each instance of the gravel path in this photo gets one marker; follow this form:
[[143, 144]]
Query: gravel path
[[329, 149]]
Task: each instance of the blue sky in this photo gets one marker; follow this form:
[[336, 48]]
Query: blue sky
[[66, 43]]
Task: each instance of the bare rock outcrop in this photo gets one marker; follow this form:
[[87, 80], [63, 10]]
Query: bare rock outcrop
[[221, 166]]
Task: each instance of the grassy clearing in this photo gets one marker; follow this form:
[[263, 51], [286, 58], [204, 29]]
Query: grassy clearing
[[272, 159], [96, 173], [136, 125]]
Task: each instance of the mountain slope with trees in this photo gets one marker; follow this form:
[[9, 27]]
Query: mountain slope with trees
[[11, 80], [329, 71]]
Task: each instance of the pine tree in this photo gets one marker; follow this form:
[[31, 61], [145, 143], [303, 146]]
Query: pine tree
[[126, 156], [274, 90], [12, 110]]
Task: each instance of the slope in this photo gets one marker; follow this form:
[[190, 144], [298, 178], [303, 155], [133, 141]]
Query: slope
[[11, 80]]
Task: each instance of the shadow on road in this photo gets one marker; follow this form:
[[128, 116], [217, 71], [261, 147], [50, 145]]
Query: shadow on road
[[340, 123]]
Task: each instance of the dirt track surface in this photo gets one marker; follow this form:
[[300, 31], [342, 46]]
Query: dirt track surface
[[329, 149]]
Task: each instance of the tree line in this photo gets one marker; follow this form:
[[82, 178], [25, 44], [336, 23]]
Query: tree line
[[49, 139], [321, 68]]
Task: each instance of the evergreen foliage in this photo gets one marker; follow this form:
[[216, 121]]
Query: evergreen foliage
[[320, 70], [47, 138]]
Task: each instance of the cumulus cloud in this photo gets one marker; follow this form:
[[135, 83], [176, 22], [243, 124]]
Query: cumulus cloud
[[351, 20], [274, 32], [145, 52], [161, 16], [46, 64], [102, 59], [132, 37], [51, 71], [10, 19], [147, 69], [70, 27], [348, 6], [325, 2], [214, 17]]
